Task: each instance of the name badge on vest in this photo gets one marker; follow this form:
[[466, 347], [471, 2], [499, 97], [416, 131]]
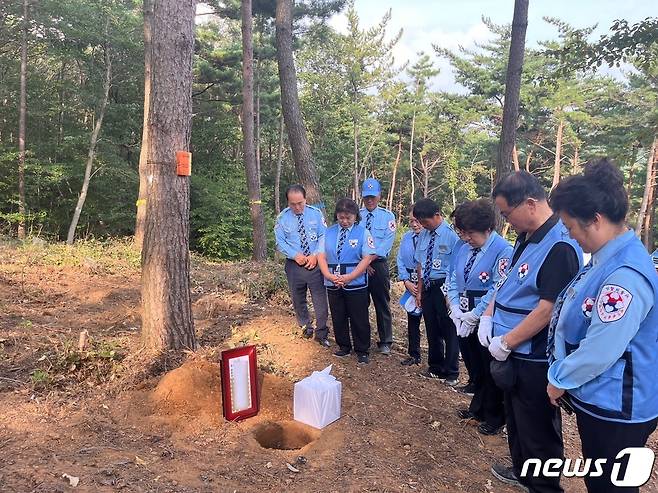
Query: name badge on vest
[[414, 277], [436, 263], [463, 303], [337, 270], [313, 237]]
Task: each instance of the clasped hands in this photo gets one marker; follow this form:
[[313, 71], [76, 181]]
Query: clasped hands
[[308, 262]]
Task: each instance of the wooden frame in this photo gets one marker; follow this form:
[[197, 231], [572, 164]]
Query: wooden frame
[[239, 383]]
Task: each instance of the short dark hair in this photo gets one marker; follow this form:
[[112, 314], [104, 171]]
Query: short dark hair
[[425, 208], [295, 187], [475, 215], [348, 206], [599, 189], [518, 186]]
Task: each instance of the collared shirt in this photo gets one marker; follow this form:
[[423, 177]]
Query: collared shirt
[[559, 267], [605, 341], [444, 248], [382, 229], [406, 252], [453, 293], [286, 231], [366, 249]]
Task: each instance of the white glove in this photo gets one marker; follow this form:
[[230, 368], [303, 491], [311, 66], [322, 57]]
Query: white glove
[[469, 322], [499, 349], [455, 316], [485, 331]]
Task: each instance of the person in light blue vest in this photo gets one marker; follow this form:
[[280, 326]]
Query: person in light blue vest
[[603, 337], [479, 265], [345, 253], [298, 230], [380, 223], [515, 326], [409, 276]]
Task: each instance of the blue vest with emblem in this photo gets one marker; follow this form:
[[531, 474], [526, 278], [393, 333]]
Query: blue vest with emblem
[[518, 294], [628, 390], [350, 255], [407, 250], [480, 279]]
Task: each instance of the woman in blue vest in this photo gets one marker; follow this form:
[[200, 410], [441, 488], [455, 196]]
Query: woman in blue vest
[[408, 274], [603, 337], [479, 265], [345, 252]]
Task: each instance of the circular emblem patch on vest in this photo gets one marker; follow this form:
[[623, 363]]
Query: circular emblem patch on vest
[[523, 270], [613, 303], [484, 277], [502, 266], [588, 306], [313, 237], [436, 263], [354, 243]]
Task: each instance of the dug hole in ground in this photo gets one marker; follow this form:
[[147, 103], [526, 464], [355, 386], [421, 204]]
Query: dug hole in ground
[[118, 421]]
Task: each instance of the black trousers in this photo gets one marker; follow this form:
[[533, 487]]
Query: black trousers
[[603, 439], [379, 288], [443, 347], [299, 280], [534, 425], [487, 402], [470, 348], [413, 330], [349, 313]]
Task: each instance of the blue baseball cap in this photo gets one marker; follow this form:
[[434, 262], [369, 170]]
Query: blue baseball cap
[[370, 188]]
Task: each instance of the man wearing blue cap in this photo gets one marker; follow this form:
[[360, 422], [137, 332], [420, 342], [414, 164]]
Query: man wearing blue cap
[[381, 224]]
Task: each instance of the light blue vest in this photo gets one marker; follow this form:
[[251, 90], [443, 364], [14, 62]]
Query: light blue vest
[[407, 251], [480, 279], [350, 255], [628, 390], [518, 294]]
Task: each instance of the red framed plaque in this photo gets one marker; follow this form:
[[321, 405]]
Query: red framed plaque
[[239, 383]]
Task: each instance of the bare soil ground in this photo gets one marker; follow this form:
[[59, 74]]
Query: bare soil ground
[[116, 419]]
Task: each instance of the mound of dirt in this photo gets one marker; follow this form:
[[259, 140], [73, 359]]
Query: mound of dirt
[[193, 389]]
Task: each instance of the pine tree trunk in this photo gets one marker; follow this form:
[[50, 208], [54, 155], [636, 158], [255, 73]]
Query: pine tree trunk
[[648, 184], [355, 135], [279, 163], [250, 163], [647, 231], [512, 88], [60, 112], [301, 149], [411, 158], [92, 147], [558, 153], [167, 321], [391, 193], [257, 118], [143, 186], [22, 117]]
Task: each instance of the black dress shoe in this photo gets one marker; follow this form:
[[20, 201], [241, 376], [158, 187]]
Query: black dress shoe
[[363, 358], [466, 414], [506, 475], [342, 353], [468, 389], [487, 429], [324, 342], [410, 361], [307, 331]]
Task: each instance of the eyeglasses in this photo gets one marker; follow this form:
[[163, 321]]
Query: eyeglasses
[[508, 213]]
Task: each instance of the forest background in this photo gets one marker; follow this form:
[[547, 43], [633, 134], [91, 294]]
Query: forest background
[[366, 114]]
